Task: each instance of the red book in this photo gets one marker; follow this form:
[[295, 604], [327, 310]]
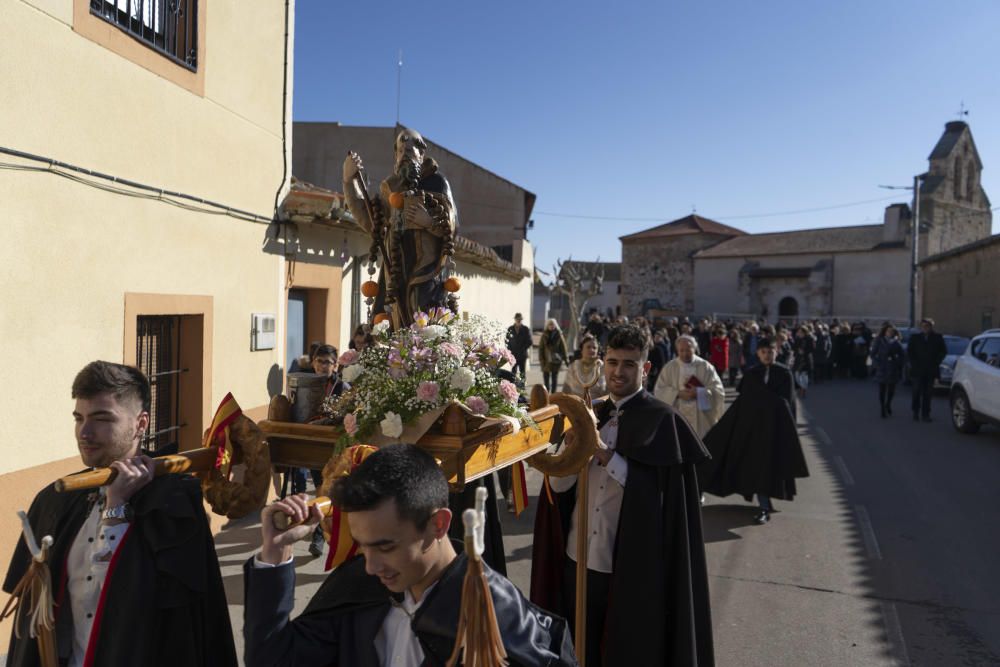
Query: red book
[[693, 383]]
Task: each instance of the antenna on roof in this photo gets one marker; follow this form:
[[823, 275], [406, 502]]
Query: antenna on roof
[[962, 111], [399, 81], [694, 209]]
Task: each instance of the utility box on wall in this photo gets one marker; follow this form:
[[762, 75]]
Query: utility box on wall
[[262, 331]]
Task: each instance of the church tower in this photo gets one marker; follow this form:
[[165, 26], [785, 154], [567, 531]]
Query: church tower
[[954, 208]]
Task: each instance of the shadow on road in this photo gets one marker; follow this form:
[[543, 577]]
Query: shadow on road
[[718, 521]]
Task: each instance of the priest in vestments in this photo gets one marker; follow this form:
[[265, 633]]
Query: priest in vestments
[[691, 386], [647, 581]]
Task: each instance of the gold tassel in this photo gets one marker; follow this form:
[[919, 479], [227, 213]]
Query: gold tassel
[[478, 640]]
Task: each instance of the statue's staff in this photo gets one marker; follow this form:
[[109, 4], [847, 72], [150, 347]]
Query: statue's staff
[[376, 220]]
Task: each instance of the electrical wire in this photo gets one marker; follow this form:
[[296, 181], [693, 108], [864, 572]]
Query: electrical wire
[[126, 187]]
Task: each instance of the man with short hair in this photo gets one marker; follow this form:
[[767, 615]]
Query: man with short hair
[[395, 604], [755, 447], [925, 351], [691, 386], [519, 344], [134, 565], [647, 581]]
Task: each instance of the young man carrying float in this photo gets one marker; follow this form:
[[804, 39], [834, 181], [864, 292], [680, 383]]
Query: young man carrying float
[[647, 582], [398, 602], [135, 576]]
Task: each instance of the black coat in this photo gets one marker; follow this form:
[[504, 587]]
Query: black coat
[[519, 341], [659, 611], [339, 626], [165, 603], [755, 447], [926, 354]]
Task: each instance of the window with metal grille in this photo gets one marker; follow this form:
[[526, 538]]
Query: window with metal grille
[[157, 353], [167, 26]]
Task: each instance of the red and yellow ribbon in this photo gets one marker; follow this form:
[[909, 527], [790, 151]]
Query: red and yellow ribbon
[[218, 433], [342, 545], [519, 486]]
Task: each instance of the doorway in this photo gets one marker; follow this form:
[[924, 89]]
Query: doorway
[[788, 307], [295, 339]]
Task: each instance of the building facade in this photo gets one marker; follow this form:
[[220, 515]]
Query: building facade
[[700, 267], [959, 288], [153, 257]]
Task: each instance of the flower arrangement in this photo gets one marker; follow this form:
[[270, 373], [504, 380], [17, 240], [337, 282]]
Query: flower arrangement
[[420, 369]]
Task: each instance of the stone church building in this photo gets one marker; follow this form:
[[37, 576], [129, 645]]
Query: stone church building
[[698, 266]]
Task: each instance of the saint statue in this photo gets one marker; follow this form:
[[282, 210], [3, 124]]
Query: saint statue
[[412, 223]]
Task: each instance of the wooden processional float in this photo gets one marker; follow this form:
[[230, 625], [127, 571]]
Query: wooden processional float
[[464, 450]]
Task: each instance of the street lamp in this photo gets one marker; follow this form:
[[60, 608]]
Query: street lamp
[[915, 241]]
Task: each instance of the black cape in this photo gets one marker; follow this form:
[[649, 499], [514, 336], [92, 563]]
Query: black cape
[[659, 611], [339, 625], [755, 446], [165, 602], [458, 502]]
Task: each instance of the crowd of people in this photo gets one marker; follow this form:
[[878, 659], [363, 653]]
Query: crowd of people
[[814, 350]]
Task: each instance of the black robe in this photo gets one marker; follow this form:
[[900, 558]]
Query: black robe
[[458, 502], [755, 446], [163, 601], [339, 625], [659, 611]]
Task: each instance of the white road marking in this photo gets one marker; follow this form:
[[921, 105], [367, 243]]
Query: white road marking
[[844, 472], [868, 532], [894, 633], [823, 436]]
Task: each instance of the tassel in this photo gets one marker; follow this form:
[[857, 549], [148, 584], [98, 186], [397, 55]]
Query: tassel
[[35, 590], [478, 640]]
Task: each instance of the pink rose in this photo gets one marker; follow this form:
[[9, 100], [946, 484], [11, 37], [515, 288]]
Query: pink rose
[[351, 423], [509, 390], [477, 405], [348, 358], [428, 391]]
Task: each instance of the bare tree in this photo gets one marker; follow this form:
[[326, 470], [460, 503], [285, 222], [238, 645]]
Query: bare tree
[[579, 282]]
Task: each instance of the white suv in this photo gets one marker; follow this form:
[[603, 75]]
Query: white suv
[[975, 389]]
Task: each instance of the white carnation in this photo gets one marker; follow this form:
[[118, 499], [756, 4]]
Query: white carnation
[[380, 328], [433, 332], [352, 373], [462, 379], [392, 425]]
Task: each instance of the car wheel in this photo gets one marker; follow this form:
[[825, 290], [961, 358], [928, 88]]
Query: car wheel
[[961, 413]]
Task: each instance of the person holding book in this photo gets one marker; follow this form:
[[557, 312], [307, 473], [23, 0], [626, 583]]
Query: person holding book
[[692, 387]]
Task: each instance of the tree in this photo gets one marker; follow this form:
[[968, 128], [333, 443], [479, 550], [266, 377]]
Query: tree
[[579, 282]]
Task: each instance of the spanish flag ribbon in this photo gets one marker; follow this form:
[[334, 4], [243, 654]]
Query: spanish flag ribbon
[[218, 433], [342, 545], [519, 488]]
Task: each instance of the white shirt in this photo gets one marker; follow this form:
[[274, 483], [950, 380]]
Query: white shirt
[[396, 644], [86, 570], [605, 490]]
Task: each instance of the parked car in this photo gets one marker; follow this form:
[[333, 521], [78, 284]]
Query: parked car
[[975, 387], [956, 346]]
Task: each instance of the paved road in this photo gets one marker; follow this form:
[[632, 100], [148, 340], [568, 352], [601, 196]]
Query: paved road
[[887, 557]]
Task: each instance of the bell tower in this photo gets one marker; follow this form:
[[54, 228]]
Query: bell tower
[[954, 208]]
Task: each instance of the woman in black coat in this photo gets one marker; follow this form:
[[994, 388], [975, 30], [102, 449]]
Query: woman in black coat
[[887, 365]]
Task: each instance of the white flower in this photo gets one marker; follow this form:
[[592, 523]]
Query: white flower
[[462, 379], [392, 425], [351, 373], [433, 332], [380, 328]]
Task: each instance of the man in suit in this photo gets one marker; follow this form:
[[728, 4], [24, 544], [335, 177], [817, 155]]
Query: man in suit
[[925, 351]]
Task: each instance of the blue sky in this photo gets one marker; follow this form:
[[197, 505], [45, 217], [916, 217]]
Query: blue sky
[[640, 111]]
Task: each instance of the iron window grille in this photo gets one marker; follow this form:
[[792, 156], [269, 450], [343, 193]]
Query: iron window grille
[[157, 351], [170, 27]]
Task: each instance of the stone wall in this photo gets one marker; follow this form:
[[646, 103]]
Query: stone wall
[[661, 269], [960, 292]]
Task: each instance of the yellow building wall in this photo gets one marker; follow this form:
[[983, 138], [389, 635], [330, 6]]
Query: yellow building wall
[[72, 252]]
